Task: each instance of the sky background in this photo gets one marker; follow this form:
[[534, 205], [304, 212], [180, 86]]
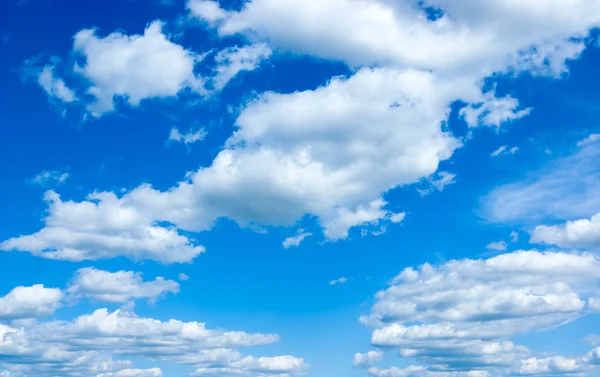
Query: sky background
[[517, 177]]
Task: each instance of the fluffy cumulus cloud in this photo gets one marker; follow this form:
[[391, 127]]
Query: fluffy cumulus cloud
[[330, 152], [458, 318], [583, 233], [366, 359], [120, 286], [134, 67], [86, 345], [103, 227], [366, 32], [30, 302], [138, 67], [154, 372]]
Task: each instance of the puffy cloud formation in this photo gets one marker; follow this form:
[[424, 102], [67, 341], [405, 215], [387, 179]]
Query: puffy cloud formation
[[134, 67], [334, 151], [140, 66], [30, 302], [458, 318], [120, 286], [380, 32], [84, 347], [583, 233], [154, 372], [103, 227], [366, 359]]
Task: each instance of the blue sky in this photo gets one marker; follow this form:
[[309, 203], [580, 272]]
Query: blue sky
[[319, 188]]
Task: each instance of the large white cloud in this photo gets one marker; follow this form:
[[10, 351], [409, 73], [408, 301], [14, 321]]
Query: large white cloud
[[85, 346], [469, 34], [583, 233], [103, 227], [30, 302], [119, 286], [460, 316]]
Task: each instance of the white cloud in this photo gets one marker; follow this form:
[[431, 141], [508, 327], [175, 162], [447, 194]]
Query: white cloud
[[120, 286], [503, 150], [50, 177], [492, 111], [460, 315], [233, 60], [86, 345], [339, 281], [438, 182], [590, 139], [254, 367], [417, 371], [583, 233], [366, 359], [567, 188], [295, 241], [497, 246], [189, 137], [54, 86], [381, 32], [183, 277], [331, 152], [593, 339], [134, 67], [154, 372], [514, 236], [30, 302], [101, 227]]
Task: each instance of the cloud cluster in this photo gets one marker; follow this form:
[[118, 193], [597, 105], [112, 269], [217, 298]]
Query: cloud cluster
[[138, 67], [103, 227], [85, 344], [458, 317], [30, 302], [330, 152], [120, 286]]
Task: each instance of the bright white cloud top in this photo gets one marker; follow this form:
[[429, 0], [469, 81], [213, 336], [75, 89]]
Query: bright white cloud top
[[459, 317]]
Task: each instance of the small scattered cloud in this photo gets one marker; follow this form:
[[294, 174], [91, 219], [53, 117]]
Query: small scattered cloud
[[183, 277], [367, 359], [118, 287], [342, 280], [497, 246], [295, 241], [188, 137], [514, 236], [49, 178], [505, 150], [593, 339], [438, 182]]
